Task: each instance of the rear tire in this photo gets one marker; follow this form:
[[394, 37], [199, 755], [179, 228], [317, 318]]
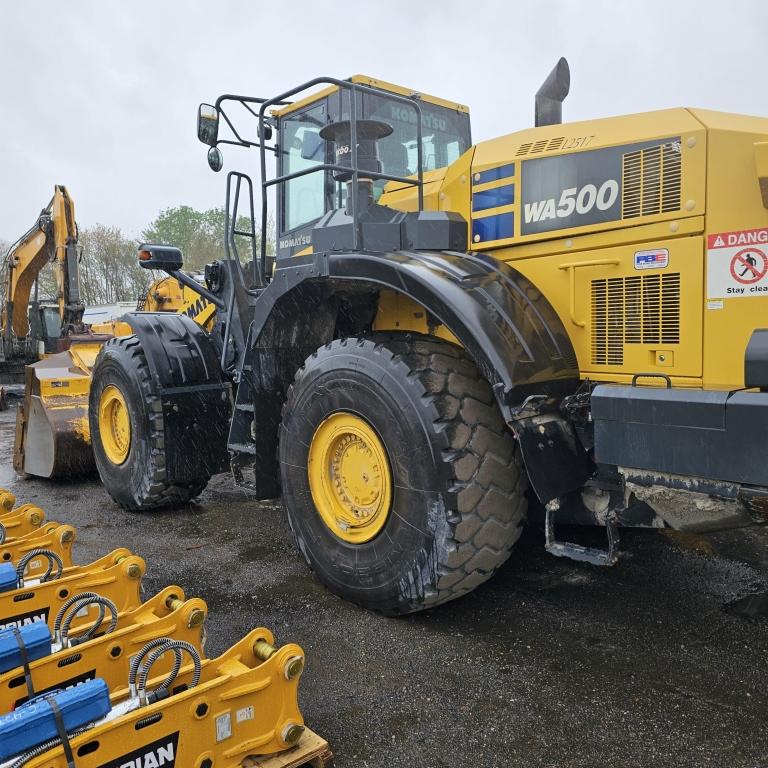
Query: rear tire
[[139, 482], [457, 485]]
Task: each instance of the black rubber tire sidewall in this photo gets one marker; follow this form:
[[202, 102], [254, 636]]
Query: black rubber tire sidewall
[[370, 387], [117, 366]]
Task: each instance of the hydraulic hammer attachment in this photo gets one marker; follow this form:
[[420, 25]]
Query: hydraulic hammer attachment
[[7, 501], [116, 576], [20, 521], [221, 712], [105, 648], [51, 537]]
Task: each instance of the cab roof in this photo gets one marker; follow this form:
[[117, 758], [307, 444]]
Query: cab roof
[[373, 83]]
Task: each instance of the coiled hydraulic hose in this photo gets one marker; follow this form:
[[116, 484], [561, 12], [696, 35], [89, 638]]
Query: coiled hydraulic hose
[[133, 668], [53, 572], [3, 533], [152, 655], [72, 607]]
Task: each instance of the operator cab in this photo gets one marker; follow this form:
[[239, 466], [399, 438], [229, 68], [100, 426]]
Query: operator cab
[[299, 147], [304, 200]]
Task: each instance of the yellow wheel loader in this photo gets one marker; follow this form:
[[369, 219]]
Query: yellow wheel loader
[[52, 437], [568, 312]]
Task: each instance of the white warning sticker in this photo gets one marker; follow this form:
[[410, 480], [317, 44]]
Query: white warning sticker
[[223, 726], [737, 264], [246, 713]]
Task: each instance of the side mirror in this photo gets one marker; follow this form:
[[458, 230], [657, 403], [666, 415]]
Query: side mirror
[[207, 124], [215, 159], [312, 146], [164, 257]]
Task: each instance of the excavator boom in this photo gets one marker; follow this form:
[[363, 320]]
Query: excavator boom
[[53, 239]]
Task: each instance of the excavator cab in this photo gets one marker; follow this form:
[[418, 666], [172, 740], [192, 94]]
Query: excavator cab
[[44, 327]]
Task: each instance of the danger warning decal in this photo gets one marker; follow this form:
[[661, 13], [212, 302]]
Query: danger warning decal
[[737, 264]]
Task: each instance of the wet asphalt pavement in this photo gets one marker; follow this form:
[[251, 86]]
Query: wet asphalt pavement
[[551, 663]]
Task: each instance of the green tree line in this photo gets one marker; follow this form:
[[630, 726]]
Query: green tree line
[[109, 271]]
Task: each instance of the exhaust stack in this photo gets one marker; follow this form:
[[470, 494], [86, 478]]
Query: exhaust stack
[[549, 98]]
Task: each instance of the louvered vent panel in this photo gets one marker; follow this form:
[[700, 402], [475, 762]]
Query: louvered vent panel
[[642, 309], [651, 181], [540, 146]]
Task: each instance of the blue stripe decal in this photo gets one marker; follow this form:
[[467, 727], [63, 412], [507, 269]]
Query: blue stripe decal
[[493, 198], [494, 174], [493, 228]]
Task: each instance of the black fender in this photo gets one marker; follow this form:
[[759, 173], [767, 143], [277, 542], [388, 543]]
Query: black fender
[[508, 327], [503, 321], [183, 361]]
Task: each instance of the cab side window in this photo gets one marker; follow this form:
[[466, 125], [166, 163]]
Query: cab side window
[[302, 147]]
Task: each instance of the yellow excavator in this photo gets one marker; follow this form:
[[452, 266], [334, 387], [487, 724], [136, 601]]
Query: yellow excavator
[[28, 325], [52, 436]]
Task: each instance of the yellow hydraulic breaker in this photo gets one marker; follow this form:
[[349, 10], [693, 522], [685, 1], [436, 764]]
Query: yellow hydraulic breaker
[[20, 521], [116, 576], [7, 501], [219, 712], [93, 651], [51, 537]]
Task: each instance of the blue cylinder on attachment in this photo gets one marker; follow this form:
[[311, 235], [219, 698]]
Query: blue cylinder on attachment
[[36, 638], [8, 578], [34, 723]]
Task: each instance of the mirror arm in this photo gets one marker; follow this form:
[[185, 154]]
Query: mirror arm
[[242, 100], [245, 143], [193, 285]]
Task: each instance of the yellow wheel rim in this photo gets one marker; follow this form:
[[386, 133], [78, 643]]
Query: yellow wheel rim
[[114, 424], [349, 477]]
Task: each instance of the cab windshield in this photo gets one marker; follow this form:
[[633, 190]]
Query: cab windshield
[[445, 137]]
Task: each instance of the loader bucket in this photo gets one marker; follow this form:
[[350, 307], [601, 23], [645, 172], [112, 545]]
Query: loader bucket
[[52, 434]]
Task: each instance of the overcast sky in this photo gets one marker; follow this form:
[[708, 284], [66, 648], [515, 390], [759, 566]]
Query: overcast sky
[[102, 95]]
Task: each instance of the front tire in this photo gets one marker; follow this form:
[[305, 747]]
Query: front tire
[[449, 476], [127, 431]]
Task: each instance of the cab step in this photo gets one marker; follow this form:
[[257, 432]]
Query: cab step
[[592, 555]]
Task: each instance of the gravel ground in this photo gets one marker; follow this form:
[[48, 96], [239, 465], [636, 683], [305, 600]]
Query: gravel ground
[[551, 663]]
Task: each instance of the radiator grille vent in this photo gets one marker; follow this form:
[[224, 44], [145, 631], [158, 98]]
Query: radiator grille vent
[[651, 180], [543, 145], [642, 309]]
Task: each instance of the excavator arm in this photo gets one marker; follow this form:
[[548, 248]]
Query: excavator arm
[[52, 239]]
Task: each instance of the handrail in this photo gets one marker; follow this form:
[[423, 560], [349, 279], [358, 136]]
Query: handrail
[[353, 88]]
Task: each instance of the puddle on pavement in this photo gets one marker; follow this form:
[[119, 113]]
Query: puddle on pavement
[[754, 606], [693, 542]]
